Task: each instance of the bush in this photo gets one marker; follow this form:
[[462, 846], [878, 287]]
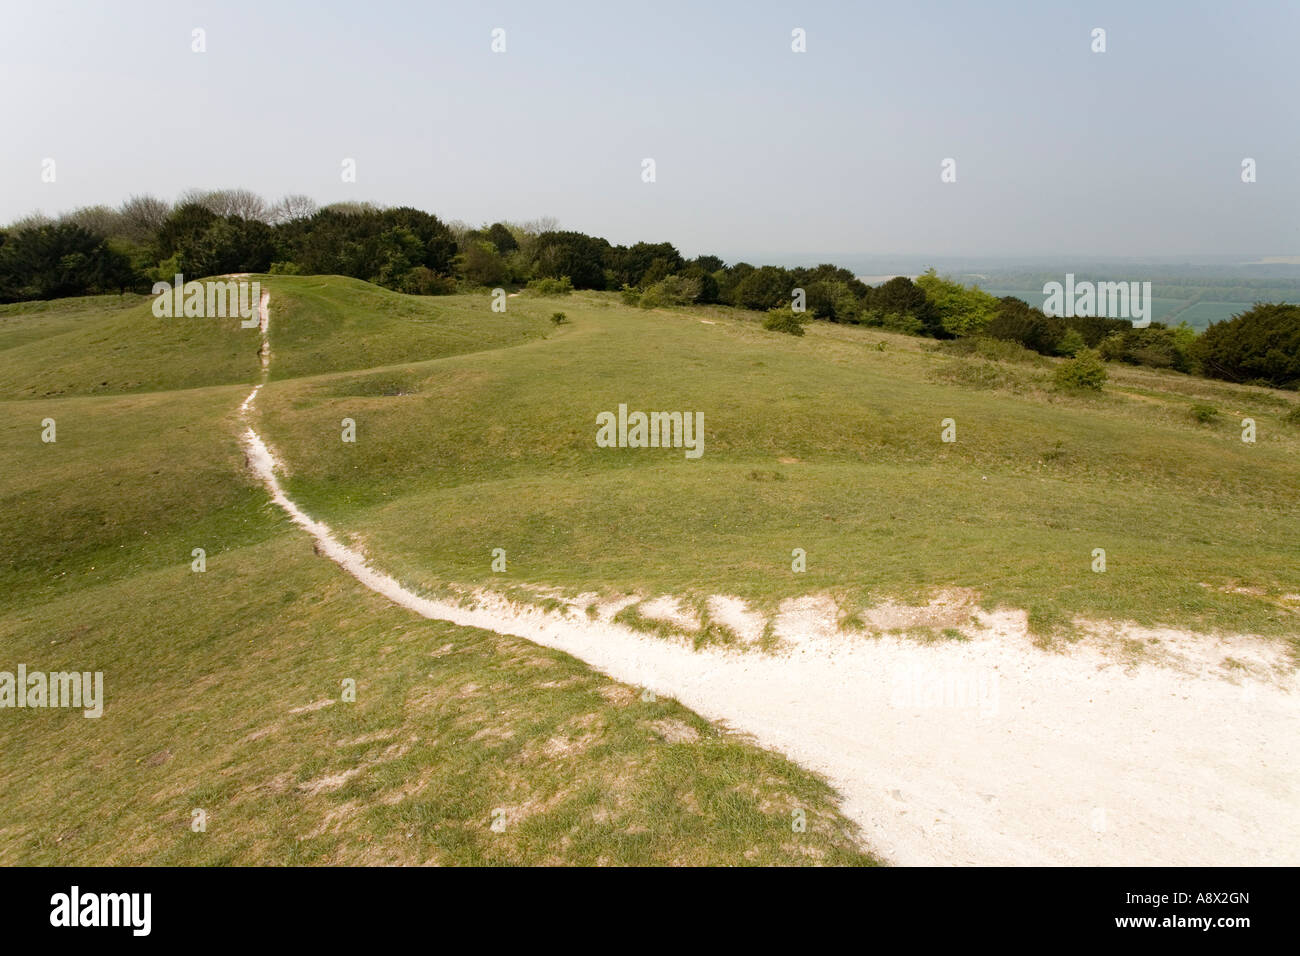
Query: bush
[[1205, 414], [1155, 347], [995, 350], [905, 322], [1260, 345], [1016, 321], [963, 310], [630, 295], [558, 318], [1070, 343], [547, 286], [671, 290], [784, 320], [1084, 372], [424, 281]]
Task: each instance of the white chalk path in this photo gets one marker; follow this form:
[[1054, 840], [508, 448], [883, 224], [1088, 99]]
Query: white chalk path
[[990, 751]]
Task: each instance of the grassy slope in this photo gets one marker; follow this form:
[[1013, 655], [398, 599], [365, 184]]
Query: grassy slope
[[830, 443], [203, 671]]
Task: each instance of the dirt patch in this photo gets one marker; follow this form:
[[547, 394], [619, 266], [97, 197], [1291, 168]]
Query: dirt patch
[[674, 731]]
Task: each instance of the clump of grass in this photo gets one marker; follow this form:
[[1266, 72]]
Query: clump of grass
[[995, 350], [772, 475], [711, 631], [632, 618], [558, 318], [980, 373], [1056, 452], [1204, 414], [1293, 416]]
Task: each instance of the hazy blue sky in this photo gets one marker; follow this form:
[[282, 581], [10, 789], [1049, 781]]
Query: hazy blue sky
[[1135, 151]]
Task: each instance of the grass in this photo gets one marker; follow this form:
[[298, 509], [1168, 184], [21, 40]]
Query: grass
[[475, 431], [223, 688], [826, 443]]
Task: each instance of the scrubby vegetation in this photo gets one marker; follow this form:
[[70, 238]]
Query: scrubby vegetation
[[98, 250], [1084, 372]]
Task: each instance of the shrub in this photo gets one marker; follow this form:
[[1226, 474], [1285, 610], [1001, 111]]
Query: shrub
[[422, 280], [1084, 372], [1016, 321], [905, 322], [784, 320], [1155, 347], [963, 310], [559, 318], [1070, 343], [630, 295], [1260, 345], [548, 286], [671, 290], [1204, 414]]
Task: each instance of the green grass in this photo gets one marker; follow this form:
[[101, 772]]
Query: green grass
[[475, 430], [202, 675], [825, 443], [210, 677]]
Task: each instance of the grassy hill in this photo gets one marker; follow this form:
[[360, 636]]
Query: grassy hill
[[475, 430], [223, 688], [830, 443]]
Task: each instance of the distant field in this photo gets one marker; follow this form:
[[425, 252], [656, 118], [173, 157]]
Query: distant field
[[1198, 315]]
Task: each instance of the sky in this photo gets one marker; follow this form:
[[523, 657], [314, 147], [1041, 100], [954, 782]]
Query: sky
[[758, 151]]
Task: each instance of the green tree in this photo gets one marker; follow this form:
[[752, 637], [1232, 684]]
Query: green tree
[[963, 310]]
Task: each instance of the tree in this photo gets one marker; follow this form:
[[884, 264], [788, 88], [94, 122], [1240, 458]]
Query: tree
[[765, 288], [963, 310], [243, 203], [291, 208], [1016, 321], [182, 229], [502, 238], [53, 261], [573, 254], [100, 221], [142, 217], [230, 245], [481, 264], [1259, 345], [902, 304]]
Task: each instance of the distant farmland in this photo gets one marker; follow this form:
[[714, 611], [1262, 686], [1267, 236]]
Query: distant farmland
[[1196, 314]]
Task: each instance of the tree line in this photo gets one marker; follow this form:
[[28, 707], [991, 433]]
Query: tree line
[[102, 250]]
